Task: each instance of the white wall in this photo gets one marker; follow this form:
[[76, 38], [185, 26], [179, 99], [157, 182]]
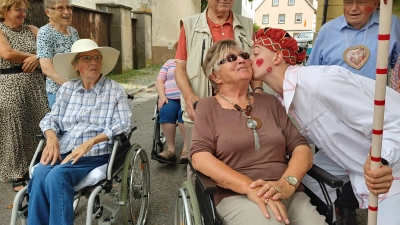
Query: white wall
[[166, 17]]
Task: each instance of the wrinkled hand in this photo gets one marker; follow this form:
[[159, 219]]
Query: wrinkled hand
[[161, 101], [77, 153], [51, 153], [378, 181], [277, 208], [189, 100], [30, 64], [268, 190]]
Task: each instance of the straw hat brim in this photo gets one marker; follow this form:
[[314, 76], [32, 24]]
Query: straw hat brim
[[64, 68]]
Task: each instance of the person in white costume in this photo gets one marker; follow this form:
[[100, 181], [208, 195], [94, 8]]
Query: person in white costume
[[334, 110]]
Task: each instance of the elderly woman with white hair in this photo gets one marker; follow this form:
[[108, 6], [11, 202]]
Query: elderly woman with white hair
[[89, 111], [57, 36]]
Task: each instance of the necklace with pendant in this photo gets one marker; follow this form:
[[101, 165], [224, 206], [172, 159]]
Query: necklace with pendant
[[252, 122], [356, 56]]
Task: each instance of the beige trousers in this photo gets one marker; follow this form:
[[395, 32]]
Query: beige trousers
[[239, 210]]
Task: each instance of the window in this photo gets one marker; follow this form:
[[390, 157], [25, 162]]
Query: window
[[265, 19], [290, 2], [281, 18], [275, 2], [298, 18]]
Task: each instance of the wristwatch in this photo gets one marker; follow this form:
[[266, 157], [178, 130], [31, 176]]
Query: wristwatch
[[292, 181]]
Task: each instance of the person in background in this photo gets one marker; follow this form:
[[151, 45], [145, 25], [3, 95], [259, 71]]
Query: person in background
[[240, 138], [334, 109], [22, 92], [351, 41], [197, 34], [169, 106], [55, 37], [395, 76], [90, 110]]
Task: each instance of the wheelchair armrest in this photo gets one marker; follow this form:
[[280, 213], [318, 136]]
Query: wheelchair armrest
[[206, 184], [40, 136], [122, 137], [323, 176]]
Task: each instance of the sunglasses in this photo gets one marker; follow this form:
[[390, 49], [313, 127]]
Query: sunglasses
[[88, 58], [233, 57]]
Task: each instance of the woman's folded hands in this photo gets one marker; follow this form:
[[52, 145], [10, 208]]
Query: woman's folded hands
[[270, 193]]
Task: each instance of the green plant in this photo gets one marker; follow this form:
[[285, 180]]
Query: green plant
[[256, 27]]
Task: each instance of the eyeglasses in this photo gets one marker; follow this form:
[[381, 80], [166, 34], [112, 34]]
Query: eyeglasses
[[20, 10], [233, 57], [88, 58], [61, 8]]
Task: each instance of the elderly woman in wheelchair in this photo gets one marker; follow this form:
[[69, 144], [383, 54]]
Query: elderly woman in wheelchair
[[240, 137], [90, 110]]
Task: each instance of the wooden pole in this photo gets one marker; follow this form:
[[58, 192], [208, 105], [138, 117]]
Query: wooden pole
[[385, 18]]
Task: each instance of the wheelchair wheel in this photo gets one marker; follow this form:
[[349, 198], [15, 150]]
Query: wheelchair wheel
[[136, 187], [187, 210]]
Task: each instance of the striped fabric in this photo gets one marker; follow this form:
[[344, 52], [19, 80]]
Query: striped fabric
[[79, 114], [395, 77], [167, 75]]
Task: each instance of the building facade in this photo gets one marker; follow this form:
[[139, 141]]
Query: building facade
[[294, 16], [143, 30]]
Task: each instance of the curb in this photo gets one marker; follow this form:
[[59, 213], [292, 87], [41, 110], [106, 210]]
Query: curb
[[142, 89]]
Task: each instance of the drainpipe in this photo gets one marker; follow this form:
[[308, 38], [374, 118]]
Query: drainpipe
[[324, 12]]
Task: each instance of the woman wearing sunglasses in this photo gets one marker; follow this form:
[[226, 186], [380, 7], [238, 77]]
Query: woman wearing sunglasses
[[240, 137]]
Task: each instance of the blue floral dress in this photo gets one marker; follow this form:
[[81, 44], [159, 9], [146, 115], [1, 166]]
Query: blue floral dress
[[50, 42]]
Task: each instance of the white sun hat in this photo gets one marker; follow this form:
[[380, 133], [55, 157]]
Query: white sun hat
[[62, 61]]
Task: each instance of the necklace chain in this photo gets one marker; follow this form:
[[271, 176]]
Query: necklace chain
[[237, 107]]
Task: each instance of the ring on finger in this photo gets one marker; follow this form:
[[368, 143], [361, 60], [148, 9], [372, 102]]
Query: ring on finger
[[277, 190], [267, 201]]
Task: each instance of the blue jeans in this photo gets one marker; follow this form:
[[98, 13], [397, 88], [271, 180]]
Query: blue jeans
[[171, 112], [51, 98], [51, 190]]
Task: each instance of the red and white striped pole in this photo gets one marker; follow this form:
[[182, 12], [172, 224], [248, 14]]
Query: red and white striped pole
[[385, 18]]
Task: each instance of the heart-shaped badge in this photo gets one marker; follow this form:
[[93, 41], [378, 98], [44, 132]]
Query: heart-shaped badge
[[356, 56]]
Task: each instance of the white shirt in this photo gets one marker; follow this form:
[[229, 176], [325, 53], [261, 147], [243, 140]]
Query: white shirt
[[334, 109]]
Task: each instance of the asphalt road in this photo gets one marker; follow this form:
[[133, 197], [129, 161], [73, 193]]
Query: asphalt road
[[164, 179]]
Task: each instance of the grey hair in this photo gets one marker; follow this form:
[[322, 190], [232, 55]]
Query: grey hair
[[214, 54], [50, 3]]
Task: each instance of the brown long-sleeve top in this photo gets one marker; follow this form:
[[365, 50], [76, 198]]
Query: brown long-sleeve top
[[224, 133]]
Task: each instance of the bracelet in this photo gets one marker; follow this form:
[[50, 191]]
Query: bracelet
[[256, 88]]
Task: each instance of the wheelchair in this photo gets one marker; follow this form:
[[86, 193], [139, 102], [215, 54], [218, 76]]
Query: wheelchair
[[158, 137], [195, 206], [127, 182]]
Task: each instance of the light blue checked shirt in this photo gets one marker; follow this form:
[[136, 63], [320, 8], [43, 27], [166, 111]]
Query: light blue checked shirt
[[79, 114], [337, 35]]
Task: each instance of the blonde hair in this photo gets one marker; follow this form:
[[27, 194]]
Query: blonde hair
[[5, 6], [214, 54], [50, 3]]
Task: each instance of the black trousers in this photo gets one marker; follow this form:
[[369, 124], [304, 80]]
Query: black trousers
[[347, 199]]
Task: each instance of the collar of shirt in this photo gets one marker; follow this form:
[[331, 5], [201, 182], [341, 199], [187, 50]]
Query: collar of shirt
[[374, 19], [211, 24], [289, 86], [96, 88]]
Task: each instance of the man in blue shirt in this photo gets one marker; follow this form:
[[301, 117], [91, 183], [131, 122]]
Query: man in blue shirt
[[351, 41], [356, 34]]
